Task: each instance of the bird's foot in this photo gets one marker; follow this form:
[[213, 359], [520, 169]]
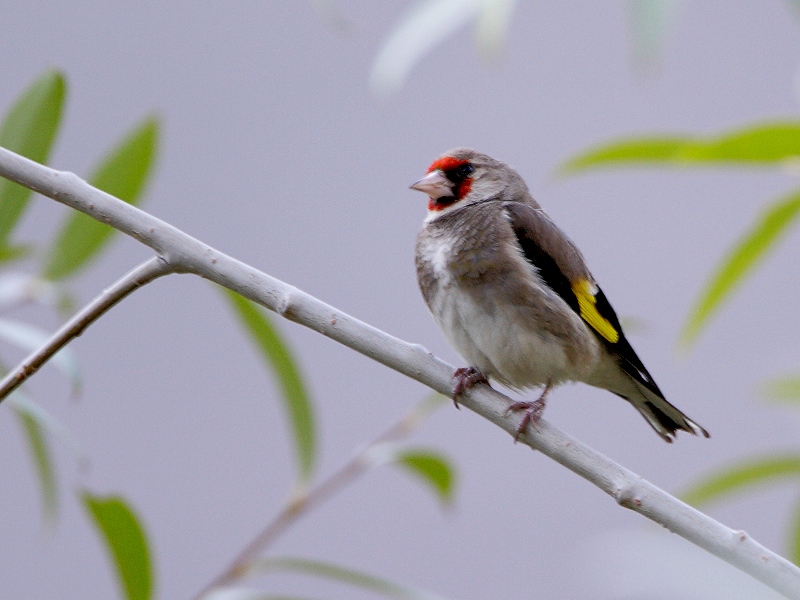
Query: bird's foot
[[533, 412], [465, 378]]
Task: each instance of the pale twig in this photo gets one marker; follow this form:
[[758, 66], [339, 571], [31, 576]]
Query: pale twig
[[141, 275], [372, 455], [187, 254]]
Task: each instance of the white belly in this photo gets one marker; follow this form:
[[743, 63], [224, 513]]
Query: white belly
[[519, 355]]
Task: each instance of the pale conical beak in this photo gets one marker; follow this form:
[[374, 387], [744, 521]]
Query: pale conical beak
[[435, 184]]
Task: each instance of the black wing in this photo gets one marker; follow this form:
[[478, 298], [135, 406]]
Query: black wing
[[561, 267]]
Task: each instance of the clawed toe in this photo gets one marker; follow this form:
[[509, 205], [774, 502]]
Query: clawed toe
[[465, 378], [533, 412]]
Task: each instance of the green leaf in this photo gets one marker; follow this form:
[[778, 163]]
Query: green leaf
[[12, 253], [341, 574], [783, 389], [794, 539], [123, 173], [126, 543], [278, 356], [48, 422], [29, 129], [42, 459], [432, 468], [647, 150], [742, 476], [740, 261], [760, 145]]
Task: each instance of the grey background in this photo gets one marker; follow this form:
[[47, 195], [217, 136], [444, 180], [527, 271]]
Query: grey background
[[274, 151]]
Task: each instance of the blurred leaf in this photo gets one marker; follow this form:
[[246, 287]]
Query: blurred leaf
[[742, 476], [123, 173], [429, 404], [794, 540], [32, 338], [427, 24], [297, 401], [20, 288], [649, 150], [11, 253], [783, 389], [47, 421], [432, 468], [341, 574], [40, 453], [650, 20], [740, 261], [126, 543], [29, 129], [240, 593], [760, 145], [491, 29]]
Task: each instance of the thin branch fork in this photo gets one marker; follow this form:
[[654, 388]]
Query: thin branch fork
[[186, 254], [148, 271]]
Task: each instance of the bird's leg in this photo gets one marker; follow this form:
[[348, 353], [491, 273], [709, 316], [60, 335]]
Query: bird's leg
[[465, 378], [533, 411]]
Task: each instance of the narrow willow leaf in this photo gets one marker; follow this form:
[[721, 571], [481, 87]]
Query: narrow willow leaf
[[42, 460], [278, 356], [239, 593], [743, 476], [740, 261], [758, 145], [430, 403], [432, 468], [794, 539], [426, 25], [48, 422], [491, 27], [341, 574], [768, 143], [29, 129], [126, 543], [124, 174], [21, 288], [12, 253], [784, 389], [650, 20], [632, 151], [32, 338]]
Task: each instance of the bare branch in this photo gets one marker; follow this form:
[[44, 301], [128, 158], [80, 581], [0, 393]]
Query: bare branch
[[141, 275], [186, 254], [365, 459]]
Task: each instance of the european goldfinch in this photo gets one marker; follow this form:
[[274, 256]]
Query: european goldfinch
[[513, 294]]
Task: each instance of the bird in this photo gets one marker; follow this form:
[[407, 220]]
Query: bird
[[514, 296]]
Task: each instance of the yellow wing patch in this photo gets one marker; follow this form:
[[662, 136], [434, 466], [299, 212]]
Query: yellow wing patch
[[584, 291]]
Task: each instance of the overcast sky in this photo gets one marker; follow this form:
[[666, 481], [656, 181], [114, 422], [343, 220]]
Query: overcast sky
[[274, 151]]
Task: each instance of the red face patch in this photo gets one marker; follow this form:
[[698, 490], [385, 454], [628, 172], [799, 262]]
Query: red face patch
[[446, 162]]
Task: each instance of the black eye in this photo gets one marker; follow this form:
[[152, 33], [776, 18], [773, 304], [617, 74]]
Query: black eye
[[462, 172]]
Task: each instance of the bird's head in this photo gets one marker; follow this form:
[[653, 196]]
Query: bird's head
[[462, 176]]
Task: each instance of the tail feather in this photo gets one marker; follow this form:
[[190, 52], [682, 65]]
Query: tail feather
[[662, 416]]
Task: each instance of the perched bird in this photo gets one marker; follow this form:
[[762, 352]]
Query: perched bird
[[513, 294]]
